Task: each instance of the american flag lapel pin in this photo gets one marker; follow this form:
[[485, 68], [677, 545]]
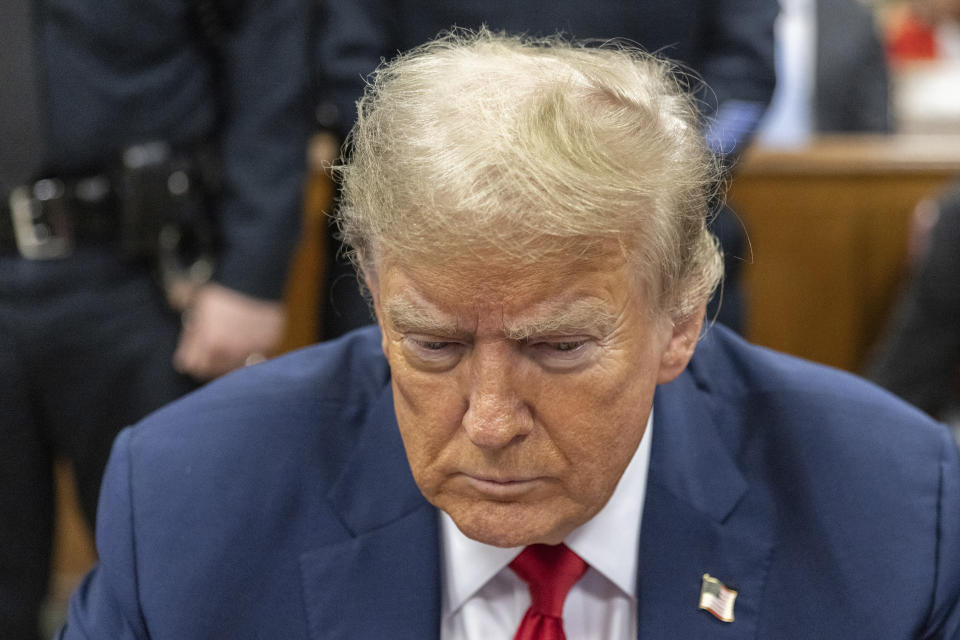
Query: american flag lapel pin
[[716, 598]]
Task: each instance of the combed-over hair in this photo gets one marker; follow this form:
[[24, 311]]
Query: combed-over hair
[[493, 145]]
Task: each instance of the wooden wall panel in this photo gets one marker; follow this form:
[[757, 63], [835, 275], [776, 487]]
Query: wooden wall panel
[[828, 227]]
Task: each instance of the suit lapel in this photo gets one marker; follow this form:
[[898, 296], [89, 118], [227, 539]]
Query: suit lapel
[[700, 516], [383, 581]]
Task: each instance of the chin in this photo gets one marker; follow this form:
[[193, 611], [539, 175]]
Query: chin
[[508, 524]]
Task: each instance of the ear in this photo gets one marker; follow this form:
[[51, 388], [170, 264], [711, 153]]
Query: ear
[[680, 346]]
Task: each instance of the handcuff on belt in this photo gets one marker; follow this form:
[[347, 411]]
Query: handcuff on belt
[[154, 206]]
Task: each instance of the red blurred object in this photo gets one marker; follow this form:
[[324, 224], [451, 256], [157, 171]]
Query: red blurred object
[[910, 38]]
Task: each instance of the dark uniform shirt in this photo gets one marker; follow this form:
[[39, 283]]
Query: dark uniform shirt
[[728, 43], [116, 74]]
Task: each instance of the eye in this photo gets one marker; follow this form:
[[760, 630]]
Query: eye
[[567, 345], [432, 345], [563, 352], [429, 352]]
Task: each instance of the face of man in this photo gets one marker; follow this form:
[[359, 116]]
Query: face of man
[[522, 393]]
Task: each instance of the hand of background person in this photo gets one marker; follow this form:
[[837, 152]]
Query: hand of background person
[[224, 329]]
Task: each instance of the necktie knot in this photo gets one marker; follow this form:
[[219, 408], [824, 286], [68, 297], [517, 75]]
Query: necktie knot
[[550, 571]]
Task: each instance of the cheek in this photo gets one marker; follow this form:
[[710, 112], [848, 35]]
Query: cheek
[[420, 396], [428, 399], [428, 412], [608, 393], [597, 423]]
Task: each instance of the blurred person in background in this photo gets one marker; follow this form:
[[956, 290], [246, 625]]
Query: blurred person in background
[[852, 87], [729, 43], [142, 143], [832, 73], [918, 357]]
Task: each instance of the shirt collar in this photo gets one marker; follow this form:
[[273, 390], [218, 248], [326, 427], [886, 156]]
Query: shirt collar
[[608, 542]]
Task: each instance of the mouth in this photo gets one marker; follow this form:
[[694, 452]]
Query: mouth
[[508, 488]]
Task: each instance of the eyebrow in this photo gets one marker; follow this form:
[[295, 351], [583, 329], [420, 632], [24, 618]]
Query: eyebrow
[[579, 316], [407, 317]]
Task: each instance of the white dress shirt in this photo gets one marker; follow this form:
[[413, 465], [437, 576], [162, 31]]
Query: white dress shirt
[[483, 599]]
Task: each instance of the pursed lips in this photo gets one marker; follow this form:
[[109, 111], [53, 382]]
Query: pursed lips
[[504, 487]]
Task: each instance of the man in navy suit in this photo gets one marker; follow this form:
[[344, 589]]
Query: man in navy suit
[[530, 220]]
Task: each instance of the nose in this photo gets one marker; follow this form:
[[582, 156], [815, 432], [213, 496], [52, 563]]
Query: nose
[[496, 414]]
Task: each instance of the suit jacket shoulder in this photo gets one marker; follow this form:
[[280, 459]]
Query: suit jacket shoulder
[[832, 506], [212, 507]]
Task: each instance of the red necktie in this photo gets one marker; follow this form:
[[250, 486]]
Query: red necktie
[[550, 571]]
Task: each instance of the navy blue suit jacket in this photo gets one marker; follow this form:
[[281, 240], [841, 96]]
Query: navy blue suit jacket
[[277, 503]]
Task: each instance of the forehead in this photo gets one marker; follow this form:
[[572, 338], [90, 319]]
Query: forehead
[[473, 294]]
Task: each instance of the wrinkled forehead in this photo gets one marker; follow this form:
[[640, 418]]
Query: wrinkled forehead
[[537, 265], [573, 289], [513, 253]]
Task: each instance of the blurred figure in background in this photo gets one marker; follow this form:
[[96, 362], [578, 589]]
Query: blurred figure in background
[[137, 138], [918, 358], [729, 43], [852, 90], [832, 74]]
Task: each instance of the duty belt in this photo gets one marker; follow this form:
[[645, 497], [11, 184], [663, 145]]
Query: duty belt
[[44, 220]]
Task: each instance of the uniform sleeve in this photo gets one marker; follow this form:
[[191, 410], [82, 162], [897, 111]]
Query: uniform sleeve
[[262, 144], [945, 611], [352, 37], [106, 603], [738, 66]]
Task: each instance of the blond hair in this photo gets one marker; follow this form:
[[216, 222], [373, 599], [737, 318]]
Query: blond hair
[[479, 142]]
